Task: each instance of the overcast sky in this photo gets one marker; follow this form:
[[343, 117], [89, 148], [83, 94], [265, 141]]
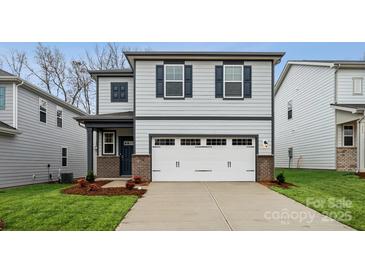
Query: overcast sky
[[294, 51]]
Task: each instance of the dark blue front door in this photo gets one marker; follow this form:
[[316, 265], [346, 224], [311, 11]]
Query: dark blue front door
[[126, 146]]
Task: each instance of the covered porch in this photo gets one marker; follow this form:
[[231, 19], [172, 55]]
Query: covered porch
[[110, 144], [350, 137]]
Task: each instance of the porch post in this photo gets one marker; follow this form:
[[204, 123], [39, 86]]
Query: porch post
[[89, 145]]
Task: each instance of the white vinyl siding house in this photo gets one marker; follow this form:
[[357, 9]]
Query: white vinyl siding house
[[25, 156], [328, 103], [311, 131], [188, 106]]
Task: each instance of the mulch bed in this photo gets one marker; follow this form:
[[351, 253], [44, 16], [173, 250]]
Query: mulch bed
[[276, 183], [110, 191]]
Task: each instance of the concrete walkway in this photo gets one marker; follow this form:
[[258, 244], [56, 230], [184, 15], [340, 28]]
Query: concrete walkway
[[221, 206]]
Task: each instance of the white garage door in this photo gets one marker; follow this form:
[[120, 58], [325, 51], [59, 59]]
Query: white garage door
[[203, 159]]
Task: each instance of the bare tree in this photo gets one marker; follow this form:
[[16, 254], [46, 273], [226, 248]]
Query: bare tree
[[16, 61], [110, 56]]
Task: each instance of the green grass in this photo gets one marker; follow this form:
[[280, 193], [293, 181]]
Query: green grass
[[44, 207], [339, 195]]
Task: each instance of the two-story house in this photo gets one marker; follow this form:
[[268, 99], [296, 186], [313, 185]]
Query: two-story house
[[319, 115], [39, 137], [185, 116]]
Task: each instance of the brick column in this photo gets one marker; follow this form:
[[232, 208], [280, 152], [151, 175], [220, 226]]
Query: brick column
[[108, 167], [141, 166], [265, 167], [346, 158]]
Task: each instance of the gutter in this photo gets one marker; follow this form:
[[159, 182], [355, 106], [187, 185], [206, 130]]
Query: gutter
[[15, 104]]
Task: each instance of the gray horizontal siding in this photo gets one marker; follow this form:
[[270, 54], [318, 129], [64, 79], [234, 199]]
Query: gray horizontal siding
[[312, 130], [203, 102], [229, 127], [105, 104], [40, 144], [6, 115], [345, 86]]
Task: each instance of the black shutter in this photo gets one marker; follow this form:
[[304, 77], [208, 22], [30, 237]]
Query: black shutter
[[218, 81], [247, 81], [188, 81], [159, 81]]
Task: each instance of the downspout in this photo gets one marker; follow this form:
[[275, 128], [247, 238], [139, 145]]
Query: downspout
[[359, 142], [337, 67], [15, 104]]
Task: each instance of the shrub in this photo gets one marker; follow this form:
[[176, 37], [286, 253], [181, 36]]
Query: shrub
[[280, 178], [93, 187], [90, 177], [81, 183], [2, 224], [130, 184], [137, 179]]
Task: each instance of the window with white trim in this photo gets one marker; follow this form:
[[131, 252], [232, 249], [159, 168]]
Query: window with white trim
[[59, 113], [164, 142], [43, 110], [290, 109], [108, 142], [64, 156], [174, 81], [2, 98], [357, 85], [348, 135], [233, 81]]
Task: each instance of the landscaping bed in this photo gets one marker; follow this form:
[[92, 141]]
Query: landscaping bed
[[285, 185], [95, 189]]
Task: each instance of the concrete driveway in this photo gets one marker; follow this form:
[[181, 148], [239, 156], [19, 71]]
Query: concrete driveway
[[221, 206]]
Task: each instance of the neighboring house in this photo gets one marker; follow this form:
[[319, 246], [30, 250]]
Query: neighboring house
[[39, 136], [185, 116], [319, 111]]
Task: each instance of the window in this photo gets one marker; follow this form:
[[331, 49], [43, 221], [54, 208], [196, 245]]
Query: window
[[59, 112], [164, 142], [290, 109], [108, 143], [119, 92], [42, 110], [190, 142], [242, 142], [2, 98], [216, 142], [357, 85], [174, 81], [64, 156], [348, 136], [233, 87]]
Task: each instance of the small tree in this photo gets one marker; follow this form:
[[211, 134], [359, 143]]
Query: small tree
[[90, 177], [280, 178]]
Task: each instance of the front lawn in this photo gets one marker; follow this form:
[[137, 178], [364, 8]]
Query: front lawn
[[340, 195], [44, 207]]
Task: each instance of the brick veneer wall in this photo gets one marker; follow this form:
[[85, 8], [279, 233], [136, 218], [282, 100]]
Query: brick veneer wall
[[141, 166], [346, 158], [265, 168], [108, 167]]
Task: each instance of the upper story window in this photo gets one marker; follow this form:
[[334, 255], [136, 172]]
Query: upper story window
[[290, 109], [59, 113], [348, 136], [42, 110], [119, 92], [2, 98], [109, 142], [233, 83], [357, 85], [174, 81]]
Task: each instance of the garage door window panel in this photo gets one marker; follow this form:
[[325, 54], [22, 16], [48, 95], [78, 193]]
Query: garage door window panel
[[242, 142], [190, 142], [164, 142], [216, 142]]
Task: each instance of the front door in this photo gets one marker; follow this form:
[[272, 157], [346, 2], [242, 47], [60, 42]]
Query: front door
[[126, 146]]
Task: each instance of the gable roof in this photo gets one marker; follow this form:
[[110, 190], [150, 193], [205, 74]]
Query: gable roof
[[321, 63], [202, 55], [8, 77]]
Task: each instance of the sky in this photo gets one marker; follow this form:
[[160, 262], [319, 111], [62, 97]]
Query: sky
[[294, 51]]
